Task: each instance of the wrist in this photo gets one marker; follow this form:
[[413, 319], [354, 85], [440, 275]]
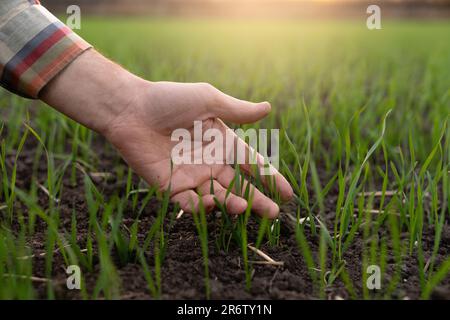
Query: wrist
[[121, 98], [93, 91]]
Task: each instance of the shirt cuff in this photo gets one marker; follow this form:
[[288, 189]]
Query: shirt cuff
[[34, 47]]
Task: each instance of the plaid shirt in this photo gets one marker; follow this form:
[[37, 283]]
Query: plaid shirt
[[34, 46]]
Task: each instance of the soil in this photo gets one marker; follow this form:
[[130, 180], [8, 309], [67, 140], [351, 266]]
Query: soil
[[183, 271]]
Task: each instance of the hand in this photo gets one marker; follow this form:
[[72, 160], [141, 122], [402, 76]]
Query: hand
[[142, 134], [139, 122]]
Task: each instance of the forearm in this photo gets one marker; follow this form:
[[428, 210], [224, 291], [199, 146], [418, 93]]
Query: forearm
[[42, 58], [92, 90]]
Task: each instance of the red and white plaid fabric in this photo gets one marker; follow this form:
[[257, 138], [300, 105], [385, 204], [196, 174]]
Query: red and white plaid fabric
[[34, 46]]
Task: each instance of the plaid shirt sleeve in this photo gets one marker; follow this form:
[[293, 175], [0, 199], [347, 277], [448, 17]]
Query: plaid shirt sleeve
[[34, 46]]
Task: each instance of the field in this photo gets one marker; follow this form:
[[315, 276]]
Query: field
[[365, 142]]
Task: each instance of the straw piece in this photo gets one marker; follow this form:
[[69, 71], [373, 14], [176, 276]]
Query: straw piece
[[268, 259], [274, 263], [180, 214], [105, 175], [47, 192], [387, 193], [32, 278], [43, 254]]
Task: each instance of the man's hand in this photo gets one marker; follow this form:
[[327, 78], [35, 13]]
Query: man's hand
[[138, 118], [142, 134]]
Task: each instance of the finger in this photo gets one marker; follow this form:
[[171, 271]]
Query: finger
[[254, 164], [235, 110], [235, 205], [190, 202], [261, 205]]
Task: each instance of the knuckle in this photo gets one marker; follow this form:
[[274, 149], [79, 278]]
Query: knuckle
[[222, 194], [213, 97], [207, 87]]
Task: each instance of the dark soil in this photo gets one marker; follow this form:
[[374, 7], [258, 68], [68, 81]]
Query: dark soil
[[183, 271]]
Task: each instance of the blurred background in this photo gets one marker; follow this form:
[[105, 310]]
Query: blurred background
[[259, 8]]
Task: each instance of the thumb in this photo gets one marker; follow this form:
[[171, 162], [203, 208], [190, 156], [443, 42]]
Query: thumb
[[238, 111]]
